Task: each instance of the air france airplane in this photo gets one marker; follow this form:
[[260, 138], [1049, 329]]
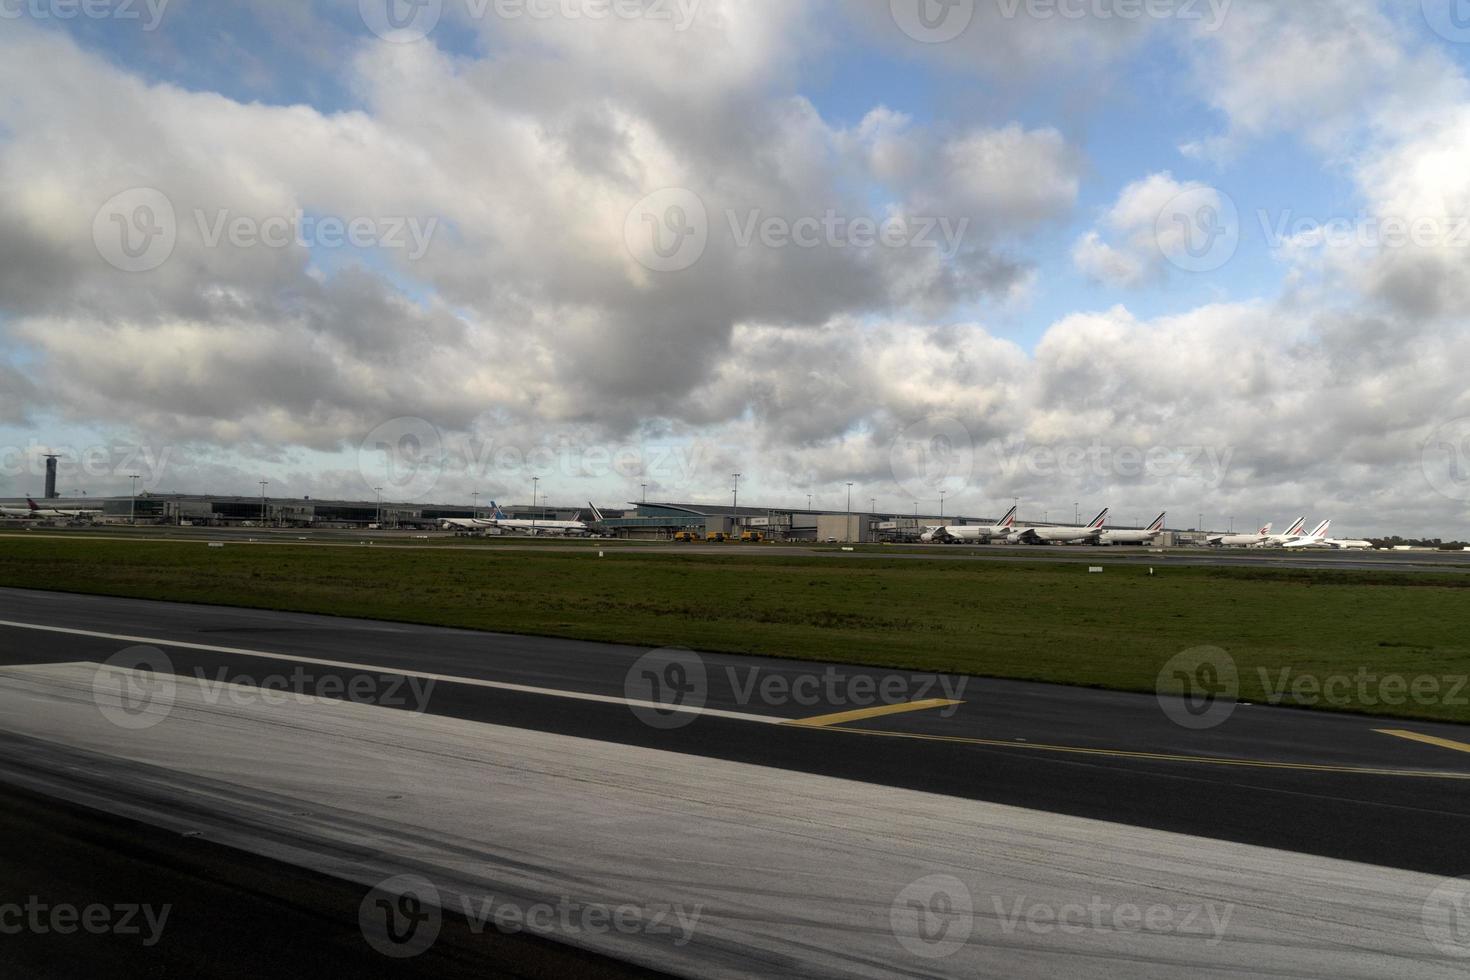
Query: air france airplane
[[1242, 540], [1145, 536], [972, 533], [1062, 535]]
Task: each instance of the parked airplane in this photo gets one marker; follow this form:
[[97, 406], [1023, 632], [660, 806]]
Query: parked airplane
[[463, 523], [536, 526], [36, 510], [1292, 533], [1061, 535], [1241, 540], [1349, 544], [1145, 536], [1317, 539], [972, 533], [500, 522]]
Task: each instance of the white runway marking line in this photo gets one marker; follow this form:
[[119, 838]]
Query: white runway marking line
[[398, 671]]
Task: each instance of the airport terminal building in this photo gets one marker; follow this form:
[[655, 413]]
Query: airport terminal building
[[658, 520], [650, 520]]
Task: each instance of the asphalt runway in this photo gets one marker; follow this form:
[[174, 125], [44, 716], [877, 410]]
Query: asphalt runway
[[593, 746]]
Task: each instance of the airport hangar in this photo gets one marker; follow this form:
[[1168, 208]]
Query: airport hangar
[[642, 521]]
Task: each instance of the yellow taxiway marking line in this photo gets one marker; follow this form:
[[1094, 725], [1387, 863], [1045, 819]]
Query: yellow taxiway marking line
[[1157, 756], [1443, 743], [825, 721]]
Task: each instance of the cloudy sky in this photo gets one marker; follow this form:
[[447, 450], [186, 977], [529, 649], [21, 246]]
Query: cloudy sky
[[1206, 256]]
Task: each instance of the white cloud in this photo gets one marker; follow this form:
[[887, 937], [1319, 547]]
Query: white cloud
[[1131, 249]]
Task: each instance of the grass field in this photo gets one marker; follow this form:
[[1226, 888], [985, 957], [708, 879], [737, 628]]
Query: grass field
[[1034, 621]]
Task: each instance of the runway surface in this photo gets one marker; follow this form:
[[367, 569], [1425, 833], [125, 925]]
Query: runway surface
[[543, 771]]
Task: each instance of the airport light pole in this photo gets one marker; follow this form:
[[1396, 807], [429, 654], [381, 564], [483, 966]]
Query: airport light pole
[[847, 530], [263, 485], [1076, 513], [941, 503], [735, 498], [645, 492], [808, 501], [475, 504], [133, 504], [535, 488]]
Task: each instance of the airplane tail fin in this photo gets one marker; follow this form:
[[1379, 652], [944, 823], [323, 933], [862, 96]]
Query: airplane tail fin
[[1265, 530], [31, 504], [1009, 520], [1158, 524], [1301, 523], [1322, 529], [596, 514], [1099, 520], [495, 511]]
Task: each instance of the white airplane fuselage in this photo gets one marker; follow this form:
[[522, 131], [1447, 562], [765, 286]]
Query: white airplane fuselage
[[1061, 535]]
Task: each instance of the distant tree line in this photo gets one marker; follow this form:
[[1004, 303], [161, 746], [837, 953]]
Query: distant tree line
[[1398, 542]]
